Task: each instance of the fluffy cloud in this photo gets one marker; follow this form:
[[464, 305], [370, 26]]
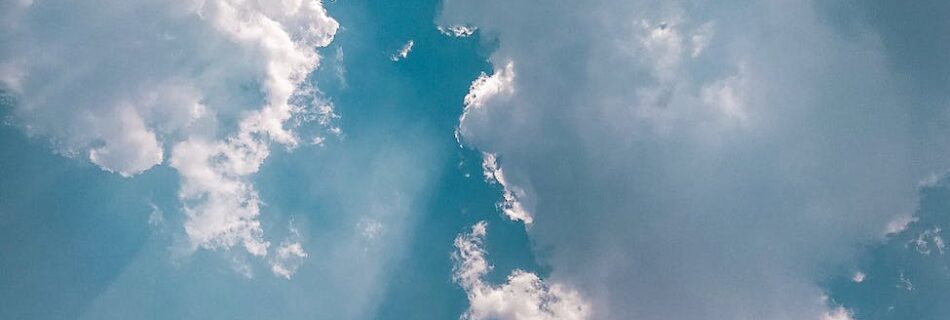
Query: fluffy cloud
[[486, 90], [213, 81], [131, 149], [523, 297], [697, 159]]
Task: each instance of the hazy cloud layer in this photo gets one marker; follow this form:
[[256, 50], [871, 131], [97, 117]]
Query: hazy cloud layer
[[694, 159]]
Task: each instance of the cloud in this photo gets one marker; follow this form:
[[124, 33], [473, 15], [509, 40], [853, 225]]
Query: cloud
[[899, 223], [369, 229], [156, 218], [483, 90], [696, 160], [524, 296], [510, 205], [837, 314], [215, 82], [858, 276], [290, 255], [700, 39], [726, 95], [131, 150], [904, 276], [458, 31], [927, 240], [403, 52]]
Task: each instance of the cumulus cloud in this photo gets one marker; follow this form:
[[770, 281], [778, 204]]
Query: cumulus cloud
[[483, 90], [131, 149], [700, 160], [215, 82], [524, 296]]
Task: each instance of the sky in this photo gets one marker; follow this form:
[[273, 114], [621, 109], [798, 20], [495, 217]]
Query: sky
[[460, 159]]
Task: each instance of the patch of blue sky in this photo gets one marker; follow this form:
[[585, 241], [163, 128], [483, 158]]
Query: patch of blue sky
[[67, 228], [906, 276]]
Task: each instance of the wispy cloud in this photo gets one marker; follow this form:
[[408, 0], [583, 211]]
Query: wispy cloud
[[403, 52]]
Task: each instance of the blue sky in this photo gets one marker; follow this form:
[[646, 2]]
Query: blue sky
[[495, 159]]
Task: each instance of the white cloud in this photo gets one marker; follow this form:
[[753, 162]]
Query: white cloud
[[928, 239], [289, 257], [290, 254], [214, 81], [661, 44], [485, 89], [510, 205], [838, 313], [339, 68], [904, 282], [726, 96], [221, 205], [156, 217], [370, 229], [899, 223], [858, 277], [242, 267], [931, 180], [524, 296], [403, 52], [458, 31], [10, 77], [674, 144], [700, 39], [131, 149]]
